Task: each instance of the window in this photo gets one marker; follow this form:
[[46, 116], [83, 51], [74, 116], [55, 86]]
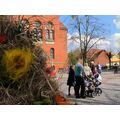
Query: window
[[52, 53], [49, 32], [37, 24], [37, 31], [24, 25], [49, 25]]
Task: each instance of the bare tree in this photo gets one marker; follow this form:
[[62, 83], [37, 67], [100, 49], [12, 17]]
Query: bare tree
[[89, 31]]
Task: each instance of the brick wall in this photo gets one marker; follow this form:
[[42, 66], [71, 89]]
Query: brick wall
[[102, 58], [60, 39]]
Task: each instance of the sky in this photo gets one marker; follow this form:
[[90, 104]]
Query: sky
[[112, 38]]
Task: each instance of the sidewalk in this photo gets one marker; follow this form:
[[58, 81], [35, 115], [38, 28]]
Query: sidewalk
[[110, 88]]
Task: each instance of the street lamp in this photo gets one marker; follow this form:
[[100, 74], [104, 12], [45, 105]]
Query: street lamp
[[109, 56]]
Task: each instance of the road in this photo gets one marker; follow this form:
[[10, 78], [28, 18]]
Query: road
[[110, 87]]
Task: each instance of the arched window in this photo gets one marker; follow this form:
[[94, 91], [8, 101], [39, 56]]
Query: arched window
[[52, 53], [49, 32], [52, 34], [37, 24], [37, 31], [24, 25], [50, 25]]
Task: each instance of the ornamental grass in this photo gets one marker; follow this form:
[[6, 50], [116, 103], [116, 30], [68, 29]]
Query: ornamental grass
[[23, 78]]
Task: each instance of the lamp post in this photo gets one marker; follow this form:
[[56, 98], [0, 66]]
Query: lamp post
[[119, 58], [109, 56]]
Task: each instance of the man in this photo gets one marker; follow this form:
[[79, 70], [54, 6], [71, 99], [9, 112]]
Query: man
[[79, 72], [115, 68]]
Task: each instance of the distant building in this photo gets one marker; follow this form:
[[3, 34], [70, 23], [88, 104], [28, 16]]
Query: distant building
[[50, 34], [115, 59], [99, 56]]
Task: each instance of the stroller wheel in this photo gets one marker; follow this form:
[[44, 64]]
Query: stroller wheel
[[85, 93], [93, 94], [99, 91]]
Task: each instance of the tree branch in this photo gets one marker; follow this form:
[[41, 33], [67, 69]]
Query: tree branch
[[94, 43]]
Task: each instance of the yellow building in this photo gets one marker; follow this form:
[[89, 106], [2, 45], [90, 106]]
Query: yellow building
[[115, 59]]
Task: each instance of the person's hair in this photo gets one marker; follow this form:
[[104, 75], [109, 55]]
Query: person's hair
[[96, 75], [71, 66], [77, 58], [86, 64]]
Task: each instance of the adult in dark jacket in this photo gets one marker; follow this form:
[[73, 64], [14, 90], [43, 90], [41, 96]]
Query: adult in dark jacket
[[93, 68], [79, 76], [115, 68], [71, 79]]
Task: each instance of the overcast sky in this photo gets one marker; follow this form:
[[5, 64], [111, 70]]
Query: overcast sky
[[112, 40]]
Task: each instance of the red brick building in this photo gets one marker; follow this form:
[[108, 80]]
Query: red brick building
[[99, 56], [51, 35]]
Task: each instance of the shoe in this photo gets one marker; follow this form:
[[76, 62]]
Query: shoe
[[77, 96], [83, 97], [69, 94]]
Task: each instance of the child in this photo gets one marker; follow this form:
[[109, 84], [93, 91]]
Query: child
[[71, 79], [98, 78]]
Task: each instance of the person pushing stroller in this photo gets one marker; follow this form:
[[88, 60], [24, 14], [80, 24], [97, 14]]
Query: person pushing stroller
[[87, 71]]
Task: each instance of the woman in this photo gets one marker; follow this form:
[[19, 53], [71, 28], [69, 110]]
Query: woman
[[87, 70], [99, 68], [71, 79], [88, 74], [93, 68]]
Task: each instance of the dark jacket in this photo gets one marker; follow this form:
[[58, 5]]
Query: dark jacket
[[71, 77], [93, 69]]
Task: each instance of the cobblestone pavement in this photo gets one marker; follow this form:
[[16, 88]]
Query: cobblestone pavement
[[110, 88]]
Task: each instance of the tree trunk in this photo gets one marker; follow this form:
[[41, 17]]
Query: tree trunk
[[84, 57]]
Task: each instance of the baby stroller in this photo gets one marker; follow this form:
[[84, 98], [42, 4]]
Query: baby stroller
[[89, 88], [97, 83], [92, 88]]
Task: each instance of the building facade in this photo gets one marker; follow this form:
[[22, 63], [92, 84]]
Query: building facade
[[99, 56], [50, 34]]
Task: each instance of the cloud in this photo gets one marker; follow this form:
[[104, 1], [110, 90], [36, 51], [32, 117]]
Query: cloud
[[116, 21], [116, 40], [116, 36], [104, 42], [73, 44]]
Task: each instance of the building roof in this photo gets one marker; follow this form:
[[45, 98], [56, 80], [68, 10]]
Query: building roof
[[93, 53]]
